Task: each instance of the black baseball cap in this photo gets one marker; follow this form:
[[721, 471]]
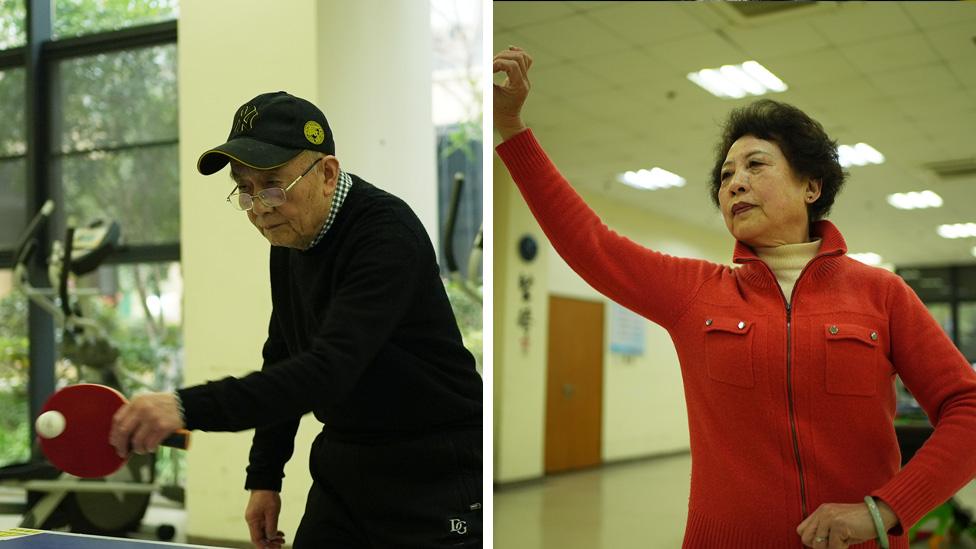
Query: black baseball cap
[[268, 131]]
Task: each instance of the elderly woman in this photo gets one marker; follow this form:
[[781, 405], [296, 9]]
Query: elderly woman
[[789, 359]]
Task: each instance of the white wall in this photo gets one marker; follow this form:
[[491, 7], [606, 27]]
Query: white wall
[[519, 376], [643, 401], [644, 411], [230, 51]]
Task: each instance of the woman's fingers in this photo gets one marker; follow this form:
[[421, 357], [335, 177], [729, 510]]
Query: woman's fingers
[[514, 62], [510, 95], [515, 76]]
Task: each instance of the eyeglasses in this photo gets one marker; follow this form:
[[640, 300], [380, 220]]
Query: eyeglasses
[[271, 197]]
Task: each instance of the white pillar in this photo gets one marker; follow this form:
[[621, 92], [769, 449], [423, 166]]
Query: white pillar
[[374, 86], [229, 52]]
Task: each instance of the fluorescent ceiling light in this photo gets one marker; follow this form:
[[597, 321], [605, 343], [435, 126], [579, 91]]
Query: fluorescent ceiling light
[[737, 81], [957, 230], [652, 179], [859, 155], [868, 258], [915, 200]]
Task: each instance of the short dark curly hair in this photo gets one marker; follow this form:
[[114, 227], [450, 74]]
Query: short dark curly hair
[[805, 144]]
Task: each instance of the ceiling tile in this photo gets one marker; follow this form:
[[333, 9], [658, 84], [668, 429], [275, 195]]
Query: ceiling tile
[[788, 38], [937, 14], [894, 52], [591, 6], [861, 21], [957, 41], [928, 79], [512, 15], [628, 107], [574, 36], [823, 66], [542, 54], [626, 66], [649, 22], [699, 51], [945, 104], [566, 79], [964, 71]]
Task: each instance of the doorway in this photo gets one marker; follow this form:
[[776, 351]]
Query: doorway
[[574, 384]]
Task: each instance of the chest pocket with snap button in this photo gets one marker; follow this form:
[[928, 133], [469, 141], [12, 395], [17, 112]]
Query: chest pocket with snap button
[[852, 359], [728, 350]]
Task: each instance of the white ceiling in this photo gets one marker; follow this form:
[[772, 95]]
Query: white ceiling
[[609, 94]]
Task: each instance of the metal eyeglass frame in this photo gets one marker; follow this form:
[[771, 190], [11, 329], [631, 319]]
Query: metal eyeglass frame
[[263, 197]]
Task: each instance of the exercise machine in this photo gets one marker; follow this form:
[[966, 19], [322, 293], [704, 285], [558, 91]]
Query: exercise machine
[[113, 505], [470, 284]]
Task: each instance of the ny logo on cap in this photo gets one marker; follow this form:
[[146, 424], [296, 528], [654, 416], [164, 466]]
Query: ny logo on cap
[[245, 118]]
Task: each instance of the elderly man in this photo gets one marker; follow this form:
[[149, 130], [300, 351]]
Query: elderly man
[[361, 334]]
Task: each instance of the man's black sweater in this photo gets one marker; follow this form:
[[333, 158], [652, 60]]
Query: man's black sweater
[[361, 334]]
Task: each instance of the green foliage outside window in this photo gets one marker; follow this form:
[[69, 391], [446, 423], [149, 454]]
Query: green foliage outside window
[[125, 99], [13, 18], [13, 380], [77, 17], [468, 315], [114, 141]]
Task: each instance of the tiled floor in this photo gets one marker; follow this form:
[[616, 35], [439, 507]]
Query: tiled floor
[[639, 504]]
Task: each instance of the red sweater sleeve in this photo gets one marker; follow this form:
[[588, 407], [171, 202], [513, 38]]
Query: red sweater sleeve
[[944, 384], [655, 285]]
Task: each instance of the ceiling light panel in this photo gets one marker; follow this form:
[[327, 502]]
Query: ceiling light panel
[[915, 200], [957, 230], [651, 180], [737, 81], [861, 154]]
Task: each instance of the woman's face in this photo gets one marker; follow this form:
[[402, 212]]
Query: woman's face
[[763, 202]]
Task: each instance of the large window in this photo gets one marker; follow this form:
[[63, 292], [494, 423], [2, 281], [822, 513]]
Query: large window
[[13, 147], [456, 29], [14, 432], [78, 17], [950, 295], [103, 145], [116, 145]]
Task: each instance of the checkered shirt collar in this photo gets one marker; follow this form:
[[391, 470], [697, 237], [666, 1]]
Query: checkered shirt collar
[[342, 189]]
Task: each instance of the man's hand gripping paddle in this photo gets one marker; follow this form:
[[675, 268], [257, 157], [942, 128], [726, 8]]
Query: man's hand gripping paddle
[[74, 426]]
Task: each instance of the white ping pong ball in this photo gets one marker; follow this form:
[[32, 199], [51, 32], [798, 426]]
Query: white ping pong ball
[[50, 424]]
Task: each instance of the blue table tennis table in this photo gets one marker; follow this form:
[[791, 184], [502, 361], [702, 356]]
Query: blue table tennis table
[[24, 538]]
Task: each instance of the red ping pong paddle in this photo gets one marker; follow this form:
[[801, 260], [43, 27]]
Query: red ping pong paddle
[[82, 449]]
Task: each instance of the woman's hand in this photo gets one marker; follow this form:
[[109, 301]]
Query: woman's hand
[[839, 525], [510, 95]]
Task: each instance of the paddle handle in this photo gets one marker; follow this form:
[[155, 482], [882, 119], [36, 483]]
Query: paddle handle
[[179, 439]]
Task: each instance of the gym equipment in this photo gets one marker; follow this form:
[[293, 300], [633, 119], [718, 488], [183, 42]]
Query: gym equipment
[[470, 285], [115, 504]]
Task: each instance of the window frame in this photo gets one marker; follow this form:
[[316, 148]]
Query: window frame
[[39, 57]]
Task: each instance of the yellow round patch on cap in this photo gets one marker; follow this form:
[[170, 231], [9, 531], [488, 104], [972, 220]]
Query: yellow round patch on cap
[[314, 132]]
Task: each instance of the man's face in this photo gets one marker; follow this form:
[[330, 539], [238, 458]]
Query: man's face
[[296, 223]]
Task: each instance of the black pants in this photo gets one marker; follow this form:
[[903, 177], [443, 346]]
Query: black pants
[[422, 493]]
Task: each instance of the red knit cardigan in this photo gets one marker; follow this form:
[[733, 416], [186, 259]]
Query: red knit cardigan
[[789, 406]]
